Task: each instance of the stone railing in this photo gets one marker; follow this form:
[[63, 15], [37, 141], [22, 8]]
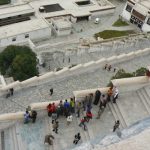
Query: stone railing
[[124, 85], [66, 72]]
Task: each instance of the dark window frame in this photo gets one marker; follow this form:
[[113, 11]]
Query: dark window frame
[[26, 36], [129, 8], [148, 21], [14, 39]]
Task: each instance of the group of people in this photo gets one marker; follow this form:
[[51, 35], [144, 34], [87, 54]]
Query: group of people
[[69, 108], [66, 109], [30, 116], [103, 99], [109, 68], [62, 109]]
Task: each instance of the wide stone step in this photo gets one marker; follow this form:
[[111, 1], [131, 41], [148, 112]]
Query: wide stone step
[[143, 98], [113, 110], [13, 137], [120, 116], [131, 108], [147, 92]]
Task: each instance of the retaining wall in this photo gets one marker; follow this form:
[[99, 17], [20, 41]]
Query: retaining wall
[[66, 72]]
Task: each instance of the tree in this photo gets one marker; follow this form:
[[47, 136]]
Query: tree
[[18, 62]]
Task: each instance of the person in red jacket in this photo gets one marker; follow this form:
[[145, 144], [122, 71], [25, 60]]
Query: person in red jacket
[[89, 116], [49, 109], [53, 109]]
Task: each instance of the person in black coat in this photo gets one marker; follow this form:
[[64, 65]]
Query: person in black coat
[[33, 116], [97, 97], [77, 138]]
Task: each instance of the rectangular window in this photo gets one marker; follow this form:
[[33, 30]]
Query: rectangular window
[[148, 21], [128, 8], [14, 39], [27, 36]]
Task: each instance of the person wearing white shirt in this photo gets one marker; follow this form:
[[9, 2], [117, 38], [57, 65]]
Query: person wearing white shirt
[[69, 119], [115, 94]]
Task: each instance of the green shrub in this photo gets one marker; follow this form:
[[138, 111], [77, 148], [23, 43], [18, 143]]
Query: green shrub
[[122, 74], [18, 62], [106, 34], [140, 72], [2, 2]]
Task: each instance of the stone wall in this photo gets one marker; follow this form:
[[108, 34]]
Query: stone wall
[[80, 68], [124, 85], [76, 70]]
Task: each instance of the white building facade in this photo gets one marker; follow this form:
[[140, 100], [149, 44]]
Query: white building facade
[[21, 32], [138, 13]]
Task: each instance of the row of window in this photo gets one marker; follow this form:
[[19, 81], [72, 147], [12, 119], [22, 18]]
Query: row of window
[[129, 9], [26, 36]]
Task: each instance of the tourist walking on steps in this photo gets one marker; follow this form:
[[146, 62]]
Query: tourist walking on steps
[[33, 116], [78, 109], [82, 123], [49, 109], [66, 108], [115, 94], [72, 105], [105, 67], [117, 123], [97, 97], [89, 116], [61, 108], [69, 119], [26, 117], [54, 117], [11, 91], [51, 91], [49, 139], [89, 99], [109, 94], [103, 101], [100, 111], [55, 126], [77, 138], [109, 68]]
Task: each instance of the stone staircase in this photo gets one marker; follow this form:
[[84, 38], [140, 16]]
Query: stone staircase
[[117, 114], [145, 98], [9, 139]]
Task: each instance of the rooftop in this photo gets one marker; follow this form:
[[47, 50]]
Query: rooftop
[[75, 10], [15, 10], [22, 27], [62, 23], [144, 3]]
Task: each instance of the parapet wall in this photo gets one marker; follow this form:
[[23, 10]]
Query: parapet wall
[[124, 85], [80, 68]]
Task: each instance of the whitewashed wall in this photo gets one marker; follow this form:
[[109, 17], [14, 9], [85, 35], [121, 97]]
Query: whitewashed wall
[[33, 35]]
